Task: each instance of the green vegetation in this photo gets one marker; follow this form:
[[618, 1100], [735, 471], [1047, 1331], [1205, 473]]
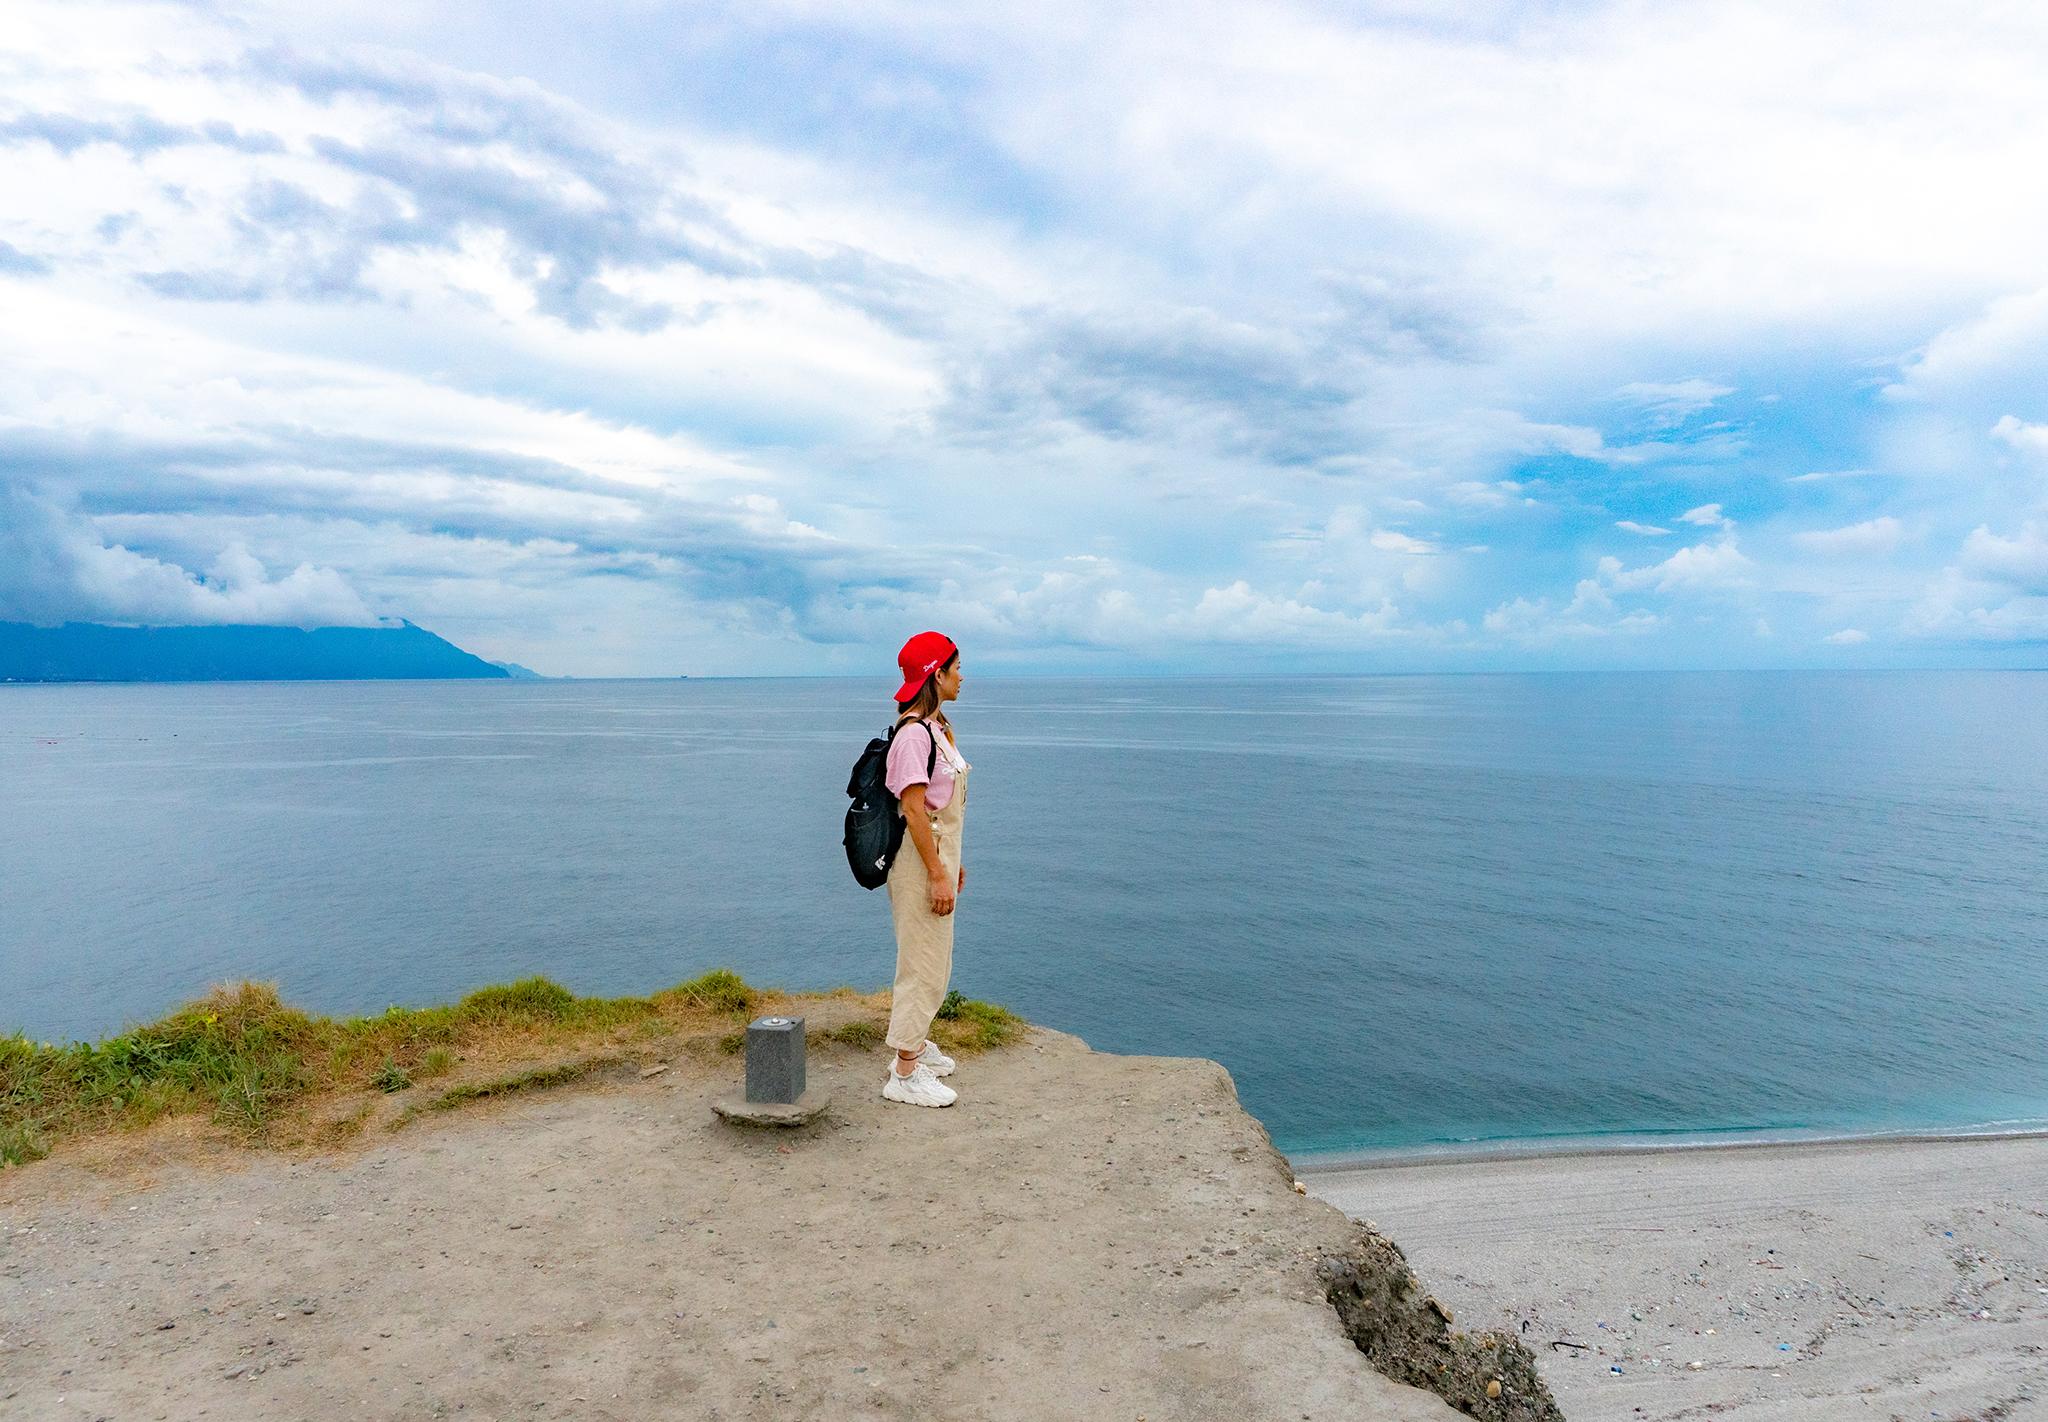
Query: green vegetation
[[239, 1054], [19, 1145], [969, 1025], [532, 1079], [244, 1057], [264, 1070], [717, 991], [963, 1025], [525, 1000], [857, 1033]]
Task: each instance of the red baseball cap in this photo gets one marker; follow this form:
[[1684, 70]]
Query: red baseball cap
[[921, 656]]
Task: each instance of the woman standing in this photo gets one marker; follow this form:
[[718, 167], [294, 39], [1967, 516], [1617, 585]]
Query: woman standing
[[926, 876]]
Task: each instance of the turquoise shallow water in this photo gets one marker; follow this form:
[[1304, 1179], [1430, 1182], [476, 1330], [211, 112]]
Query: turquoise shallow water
[[1402, 911]]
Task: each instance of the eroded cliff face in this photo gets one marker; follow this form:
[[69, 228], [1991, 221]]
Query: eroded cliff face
[[1404, 1332], [1407, 1335]]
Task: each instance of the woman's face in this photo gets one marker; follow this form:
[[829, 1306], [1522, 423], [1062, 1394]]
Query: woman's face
[[949, 681]]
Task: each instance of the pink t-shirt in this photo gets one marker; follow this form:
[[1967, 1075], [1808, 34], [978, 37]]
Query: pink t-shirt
[[907, 756]]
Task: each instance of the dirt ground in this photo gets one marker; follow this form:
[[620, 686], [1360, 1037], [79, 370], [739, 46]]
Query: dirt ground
[[1083, 1236]]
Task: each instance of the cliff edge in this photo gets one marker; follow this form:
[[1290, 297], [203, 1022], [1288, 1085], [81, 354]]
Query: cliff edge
[[1083, 1236]]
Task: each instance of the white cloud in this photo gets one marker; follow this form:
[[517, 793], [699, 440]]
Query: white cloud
[[590, 349], [1996, 591], [1847, 637], [2021, 435], [2019, 560], [53, 568], [1674, 402], [1238, 614], [1589, 615], [1806, 201], [1595, 610], [2013, 620], [2009, 334], [1870, 538], [1389, 541], [1499, 494], [1703, 567]]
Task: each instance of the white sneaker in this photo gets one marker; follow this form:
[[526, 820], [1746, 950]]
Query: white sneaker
[[920, 1088], [938, 1061]]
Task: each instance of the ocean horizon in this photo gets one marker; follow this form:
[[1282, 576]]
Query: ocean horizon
[[1410, 913]]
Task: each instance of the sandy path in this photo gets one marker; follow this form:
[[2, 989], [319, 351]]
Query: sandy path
[[1905, 1280], [1085, 1236]]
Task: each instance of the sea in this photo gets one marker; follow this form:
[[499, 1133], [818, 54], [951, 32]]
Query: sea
[[1411, 914]]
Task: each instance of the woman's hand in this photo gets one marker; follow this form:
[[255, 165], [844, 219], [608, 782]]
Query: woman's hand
[[943, 891]]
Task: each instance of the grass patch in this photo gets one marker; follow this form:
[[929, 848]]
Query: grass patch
[[251, 1062], [19, 1145], [532, 1079], [273, 1074], [717, 991], [857, 1034], [239, 1055], [528, 999], [972, 1025], [338, 1130]]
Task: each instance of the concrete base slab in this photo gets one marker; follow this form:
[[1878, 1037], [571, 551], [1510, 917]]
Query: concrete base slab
[[742, 1112]]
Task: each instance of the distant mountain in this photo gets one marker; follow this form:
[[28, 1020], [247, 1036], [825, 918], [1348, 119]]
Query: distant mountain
[[88, 651], [519, 673]]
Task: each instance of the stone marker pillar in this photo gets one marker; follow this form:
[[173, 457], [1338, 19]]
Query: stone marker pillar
[[775, 1060], [777, 1093]]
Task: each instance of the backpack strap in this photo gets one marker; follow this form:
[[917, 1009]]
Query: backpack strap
[[931, 760]]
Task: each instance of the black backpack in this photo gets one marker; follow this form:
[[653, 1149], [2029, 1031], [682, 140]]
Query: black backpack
[[874, 822]]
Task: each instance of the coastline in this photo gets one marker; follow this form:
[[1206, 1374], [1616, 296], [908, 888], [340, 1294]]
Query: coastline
[[1889, 1276], [1641, 1143]]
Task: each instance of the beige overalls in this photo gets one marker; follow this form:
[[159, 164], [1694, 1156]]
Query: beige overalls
[[924, 940]]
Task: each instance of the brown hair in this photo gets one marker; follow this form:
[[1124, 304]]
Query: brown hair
[[926, 703]]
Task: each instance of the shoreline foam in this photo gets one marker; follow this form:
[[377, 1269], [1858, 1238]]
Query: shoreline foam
[[1639, 1143]]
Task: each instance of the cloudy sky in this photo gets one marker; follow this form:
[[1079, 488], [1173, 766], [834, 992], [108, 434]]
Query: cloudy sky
[[645, 338]]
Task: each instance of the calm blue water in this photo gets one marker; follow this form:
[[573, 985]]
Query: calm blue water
[[1400, 910]]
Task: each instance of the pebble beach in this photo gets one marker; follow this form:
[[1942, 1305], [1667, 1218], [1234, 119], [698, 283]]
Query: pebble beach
[[1880, 1279]]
